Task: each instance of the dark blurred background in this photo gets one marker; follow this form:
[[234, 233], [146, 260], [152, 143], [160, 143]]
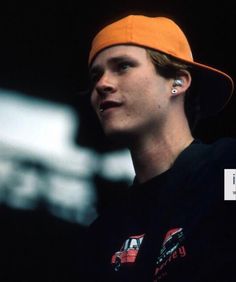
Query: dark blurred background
[[49, 197]]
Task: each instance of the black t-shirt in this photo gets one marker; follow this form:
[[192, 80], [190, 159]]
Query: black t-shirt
[[175, 227]]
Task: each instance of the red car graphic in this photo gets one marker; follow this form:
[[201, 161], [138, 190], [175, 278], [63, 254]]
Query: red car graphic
[[172, 241], [128, 252]]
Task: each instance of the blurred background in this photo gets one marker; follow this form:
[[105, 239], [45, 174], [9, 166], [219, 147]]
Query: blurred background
[[57, 170]]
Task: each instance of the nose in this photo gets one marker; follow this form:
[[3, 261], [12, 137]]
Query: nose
[[105, 85]]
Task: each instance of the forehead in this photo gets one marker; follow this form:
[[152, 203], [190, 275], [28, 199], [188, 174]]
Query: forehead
[[120, 51]]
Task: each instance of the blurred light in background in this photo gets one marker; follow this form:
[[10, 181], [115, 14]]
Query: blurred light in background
[[40, 164]]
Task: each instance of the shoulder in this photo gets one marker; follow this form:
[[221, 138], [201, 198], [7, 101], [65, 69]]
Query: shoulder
[[200, 155], [213, 158], [224, 150], [224, 144], [205, 172]]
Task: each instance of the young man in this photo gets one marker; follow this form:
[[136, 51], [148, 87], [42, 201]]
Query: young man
[[173, 224]]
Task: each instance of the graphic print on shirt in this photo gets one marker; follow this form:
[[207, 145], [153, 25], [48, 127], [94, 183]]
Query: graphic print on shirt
[[128, 252], [172, 250]]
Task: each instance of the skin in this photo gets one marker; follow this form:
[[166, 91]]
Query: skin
[[139, 108]]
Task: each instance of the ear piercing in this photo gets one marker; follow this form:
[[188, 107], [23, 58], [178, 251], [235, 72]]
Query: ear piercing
[[178, 82]]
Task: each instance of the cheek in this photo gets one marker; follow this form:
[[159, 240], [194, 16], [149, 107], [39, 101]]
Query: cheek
[[146, 95], [142, 98], [143, 89], [137, 83]]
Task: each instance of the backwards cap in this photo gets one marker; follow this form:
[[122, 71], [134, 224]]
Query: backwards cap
[[164, 35]]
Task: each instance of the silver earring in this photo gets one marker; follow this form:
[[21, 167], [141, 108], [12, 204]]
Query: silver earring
[[174, 91], [178, 82]]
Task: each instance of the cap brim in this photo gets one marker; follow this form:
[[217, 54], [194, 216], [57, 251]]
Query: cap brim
[[213, 88]]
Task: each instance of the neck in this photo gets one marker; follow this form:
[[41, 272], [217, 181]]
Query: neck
[[156, 154]]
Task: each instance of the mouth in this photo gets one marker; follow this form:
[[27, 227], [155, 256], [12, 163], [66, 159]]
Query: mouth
[[106, 105]]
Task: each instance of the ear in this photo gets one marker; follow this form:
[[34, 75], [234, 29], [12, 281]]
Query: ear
[[181, 83]]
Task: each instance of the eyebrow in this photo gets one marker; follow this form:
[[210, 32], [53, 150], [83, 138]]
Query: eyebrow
[[112, 60]]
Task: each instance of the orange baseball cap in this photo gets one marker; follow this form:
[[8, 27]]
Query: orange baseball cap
[[163, 34]]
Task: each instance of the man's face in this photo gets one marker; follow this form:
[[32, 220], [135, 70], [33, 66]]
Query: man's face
[[129, 97]]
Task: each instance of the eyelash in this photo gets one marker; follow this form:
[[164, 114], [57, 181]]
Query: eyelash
[[93, 79], [122, 66]]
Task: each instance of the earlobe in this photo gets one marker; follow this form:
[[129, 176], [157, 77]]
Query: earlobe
[[174, 91], [176, 83], [182, 83]]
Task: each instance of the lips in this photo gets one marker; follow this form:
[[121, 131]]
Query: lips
[[105, 105]]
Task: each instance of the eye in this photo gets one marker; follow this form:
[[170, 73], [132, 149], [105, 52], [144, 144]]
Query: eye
[[123, 66], [94, 78]]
